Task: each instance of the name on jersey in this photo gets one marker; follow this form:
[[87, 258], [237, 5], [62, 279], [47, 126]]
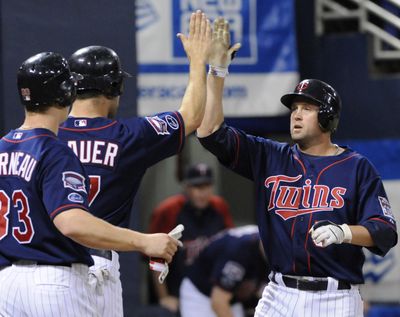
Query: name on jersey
[[17, 164], [290, 201], [95, 152]]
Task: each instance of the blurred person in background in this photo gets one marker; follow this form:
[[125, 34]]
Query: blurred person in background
[[229, 272], [202, 213]]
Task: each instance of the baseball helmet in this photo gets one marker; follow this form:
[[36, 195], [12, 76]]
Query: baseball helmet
[[100, 68], [46, 79], [323, 95]]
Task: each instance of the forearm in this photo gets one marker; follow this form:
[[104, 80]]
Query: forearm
[[214, 115], [361, 236], [222, 309], [93, 232], [192, 107], [220, 302]]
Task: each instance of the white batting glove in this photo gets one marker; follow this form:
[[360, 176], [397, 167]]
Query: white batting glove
[[222, 52], [325, 233], [163, 267]]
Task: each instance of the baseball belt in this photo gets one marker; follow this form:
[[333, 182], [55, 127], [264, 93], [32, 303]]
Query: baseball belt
[[306, 285], [107, 254]]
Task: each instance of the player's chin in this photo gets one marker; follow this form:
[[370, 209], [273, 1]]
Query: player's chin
[[296, 135]]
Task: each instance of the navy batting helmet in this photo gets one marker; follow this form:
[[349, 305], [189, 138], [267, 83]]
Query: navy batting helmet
[[100, 68], [323, 95], [45, 79]]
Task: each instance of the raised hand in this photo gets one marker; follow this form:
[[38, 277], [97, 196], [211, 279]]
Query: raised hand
[[197, 44], [222, 52]]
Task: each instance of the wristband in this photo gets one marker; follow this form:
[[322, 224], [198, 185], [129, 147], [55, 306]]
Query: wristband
[[218, 71], [348, 236]]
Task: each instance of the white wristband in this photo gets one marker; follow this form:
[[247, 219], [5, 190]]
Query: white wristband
[[348, 236], [218, 71]]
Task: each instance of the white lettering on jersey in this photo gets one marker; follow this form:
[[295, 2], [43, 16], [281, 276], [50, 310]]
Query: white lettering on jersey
[[17, 164], [291, 201], [94, 151]]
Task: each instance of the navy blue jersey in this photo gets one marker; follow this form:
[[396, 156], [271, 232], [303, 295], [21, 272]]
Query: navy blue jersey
[[40, 177], [116, 154], [294, 190], [233, 257]]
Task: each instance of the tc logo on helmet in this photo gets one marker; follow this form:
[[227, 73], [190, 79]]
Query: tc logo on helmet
[[302, 86], [26, 94]]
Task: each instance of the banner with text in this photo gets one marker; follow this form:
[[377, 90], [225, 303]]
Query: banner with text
[[264, 69]]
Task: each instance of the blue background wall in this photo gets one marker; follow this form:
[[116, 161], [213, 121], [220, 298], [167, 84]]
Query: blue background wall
[[29, 27]]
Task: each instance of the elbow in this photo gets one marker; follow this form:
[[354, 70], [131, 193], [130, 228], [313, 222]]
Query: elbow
[[69, 225], [71, 231]]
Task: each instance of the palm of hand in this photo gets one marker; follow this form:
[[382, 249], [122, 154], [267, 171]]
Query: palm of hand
[[219, 53]]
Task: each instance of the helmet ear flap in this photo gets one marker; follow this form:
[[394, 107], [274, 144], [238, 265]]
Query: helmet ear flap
[[68, 87]]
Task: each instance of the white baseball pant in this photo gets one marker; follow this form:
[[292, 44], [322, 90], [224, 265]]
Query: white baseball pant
[[281, 301], [193, 303], [104, 278], [28, 289]]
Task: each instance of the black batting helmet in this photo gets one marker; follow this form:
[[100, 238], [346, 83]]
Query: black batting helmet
[[323, 95], [100, 68], [45, 79]]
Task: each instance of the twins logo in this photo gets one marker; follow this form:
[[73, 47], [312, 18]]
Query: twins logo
[[159, 125], [74, 181], [290, 201]]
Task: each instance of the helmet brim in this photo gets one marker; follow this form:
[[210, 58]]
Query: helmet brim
[[287, 100], [126, 74]]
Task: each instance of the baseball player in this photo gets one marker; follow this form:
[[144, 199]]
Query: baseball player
[[228, 271], [202, 213], [318, 203], [116, 153], [43, 203]]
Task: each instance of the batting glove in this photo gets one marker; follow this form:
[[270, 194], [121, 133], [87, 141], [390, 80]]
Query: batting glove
[[325, 233], [160, 265], [222, 52]]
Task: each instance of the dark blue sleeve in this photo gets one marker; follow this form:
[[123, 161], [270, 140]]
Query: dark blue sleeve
[[229, 271], [245, 154], [375, 212], [163, 136], [63, 181]]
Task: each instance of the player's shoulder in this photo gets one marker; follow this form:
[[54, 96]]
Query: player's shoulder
[[218, 201], [83, 124], [260, 140]]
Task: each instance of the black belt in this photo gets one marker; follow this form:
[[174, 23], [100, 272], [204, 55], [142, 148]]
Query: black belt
[[107, 254], [305, 285]]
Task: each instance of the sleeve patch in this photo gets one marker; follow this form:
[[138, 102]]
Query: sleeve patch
[[172, 122], [76, 198], [74, 180], [159, 125], [385, 205], [232, 273]]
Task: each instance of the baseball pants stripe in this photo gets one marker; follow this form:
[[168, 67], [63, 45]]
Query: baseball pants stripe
[[45, 291], [104, 277], [282, 301]]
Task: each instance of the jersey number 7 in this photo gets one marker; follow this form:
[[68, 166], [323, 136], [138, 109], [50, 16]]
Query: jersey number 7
[[94, 190]]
